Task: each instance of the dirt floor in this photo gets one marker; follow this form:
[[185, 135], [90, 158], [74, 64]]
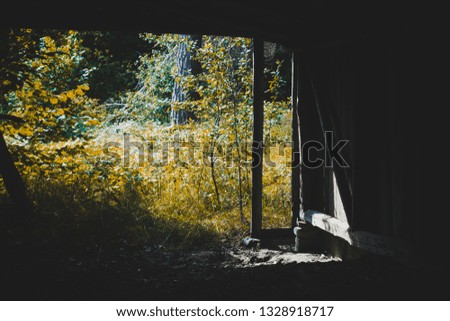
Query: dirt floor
[[222, 272]]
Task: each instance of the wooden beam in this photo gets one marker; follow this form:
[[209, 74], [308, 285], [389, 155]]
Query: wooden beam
[[374, 243], [327, 223], [295, 173], [258, 127]]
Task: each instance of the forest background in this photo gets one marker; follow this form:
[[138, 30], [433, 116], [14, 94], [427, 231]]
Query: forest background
[[141, 138]]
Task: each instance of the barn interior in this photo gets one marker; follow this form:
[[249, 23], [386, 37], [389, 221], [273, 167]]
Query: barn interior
[[366, 72]]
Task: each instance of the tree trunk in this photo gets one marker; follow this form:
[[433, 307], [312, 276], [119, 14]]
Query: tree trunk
[[186, 66]]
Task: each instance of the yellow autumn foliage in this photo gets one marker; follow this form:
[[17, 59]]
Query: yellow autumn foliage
[[164, 182]]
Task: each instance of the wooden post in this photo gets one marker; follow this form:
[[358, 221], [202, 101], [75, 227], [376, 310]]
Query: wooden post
[[295, 178], [258, 127]]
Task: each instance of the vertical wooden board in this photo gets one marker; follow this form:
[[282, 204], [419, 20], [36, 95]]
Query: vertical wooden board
[[295, 175], [342, 95], [319, 71], [312, 179], [258, 128]]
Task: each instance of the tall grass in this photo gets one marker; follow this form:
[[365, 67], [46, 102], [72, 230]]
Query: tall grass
[[92, 191]]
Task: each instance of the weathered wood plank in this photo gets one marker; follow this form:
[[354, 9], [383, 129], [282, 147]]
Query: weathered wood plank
[[327, 223], [374, 243]]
